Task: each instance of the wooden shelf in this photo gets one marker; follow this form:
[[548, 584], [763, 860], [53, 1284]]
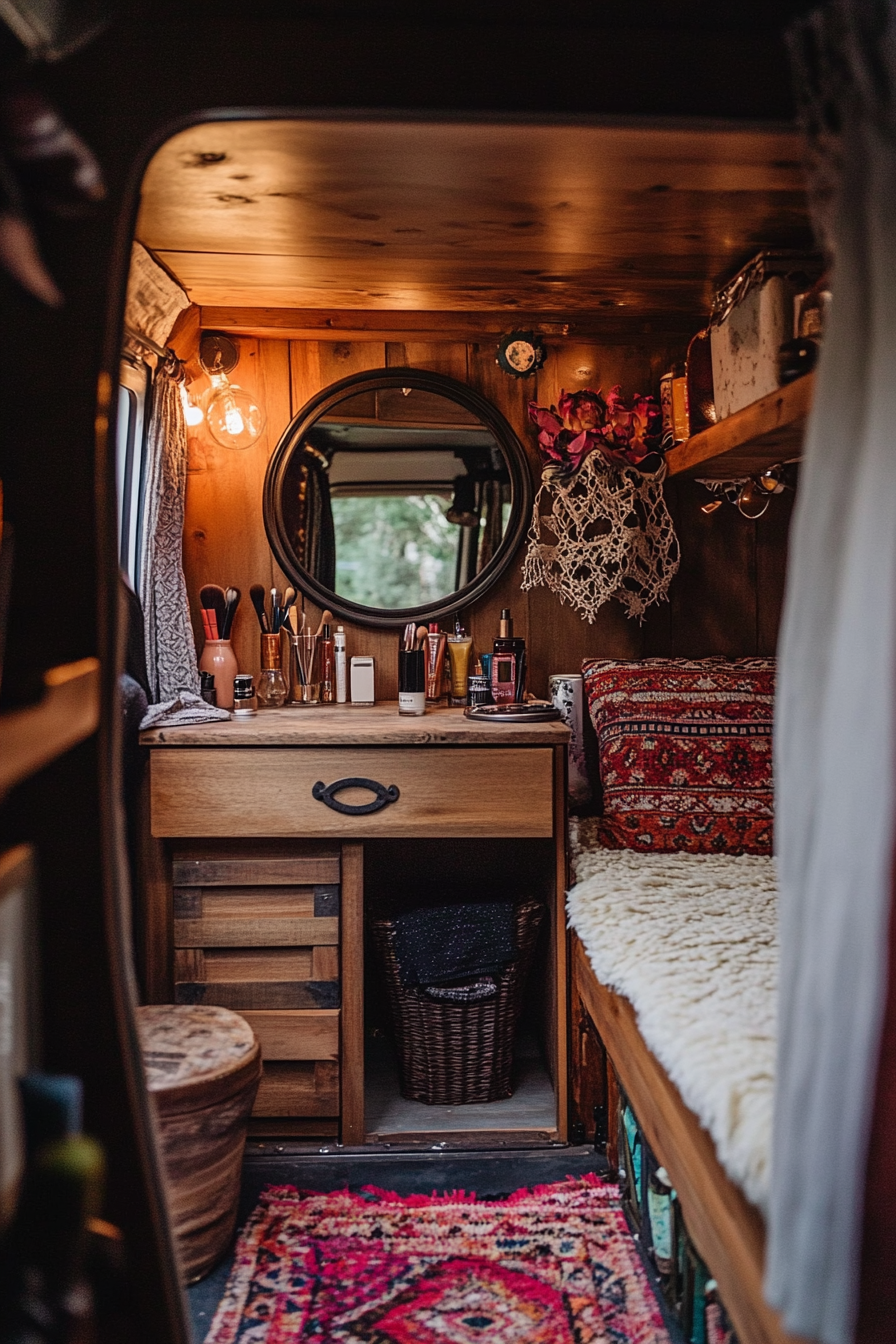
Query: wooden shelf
[[768, 431], [68, 712]]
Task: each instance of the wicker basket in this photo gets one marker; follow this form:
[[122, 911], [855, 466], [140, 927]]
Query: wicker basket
[[454, 1053]]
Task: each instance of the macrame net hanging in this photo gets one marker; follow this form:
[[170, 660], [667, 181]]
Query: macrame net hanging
[[603, 532]]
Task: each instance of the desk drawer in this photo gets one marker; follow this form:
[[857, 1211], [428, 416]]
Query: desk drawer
[[267, 791], [311, 1034]]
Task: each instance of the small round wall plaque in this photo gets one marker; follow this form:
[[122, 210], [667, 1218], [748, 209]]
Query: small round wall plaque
[[521, 353]]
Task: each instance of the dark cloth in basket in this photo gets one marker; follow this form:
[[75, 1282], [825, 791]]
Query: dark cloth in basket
[[453, 942]]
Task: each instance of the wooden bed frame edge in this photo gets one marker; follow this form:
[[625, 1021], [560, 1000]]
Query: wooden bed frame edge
[[727, 1230]]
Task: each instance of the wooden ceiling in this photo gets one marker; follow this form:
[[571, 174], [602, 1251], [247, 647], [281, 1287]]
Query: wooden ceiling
[[640, 223]]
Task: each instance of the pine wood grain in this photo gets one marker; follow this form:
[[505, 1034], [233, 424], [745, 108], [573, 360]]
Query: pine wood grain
[[726, 1229], [280, 931], [466, 217], [297, 1088], [240, 995], [406, 325], [308, 1034], [713, 597], [222, 964], [243, 902], [224, 539], [443, 791], [303, 1129], [768, 431], [350, 725], [325, 960], [772, 536], [246, 865], [352, 955]]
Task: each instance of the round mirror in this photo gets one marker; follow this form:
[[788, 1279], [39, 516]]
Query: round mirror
[[395, 494]]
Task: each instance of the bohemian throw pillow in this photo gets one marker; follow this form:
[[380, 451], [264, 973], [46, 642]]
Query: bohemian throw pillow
[[685, 752]]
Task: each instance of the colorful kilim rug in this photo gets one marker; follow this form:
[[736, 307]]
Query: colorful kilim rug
[[552, 1265]]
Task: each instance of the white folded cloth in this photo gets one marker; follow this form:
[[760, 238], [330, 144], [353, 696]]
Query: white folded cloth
[[186, 707]]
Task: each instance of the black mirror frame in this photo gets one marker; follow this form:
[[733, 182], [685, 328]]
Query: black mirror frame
[[425, 381]]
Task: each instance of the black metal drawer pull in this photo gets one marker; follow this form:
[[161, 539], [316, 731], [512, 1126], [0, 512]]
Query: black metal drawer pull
[[324, 793]]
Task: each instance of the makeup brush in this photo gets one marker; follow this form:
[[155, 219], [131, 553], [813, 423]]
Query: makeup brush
[[275, 610], [422, 632], [410, 635], [233, 596], [326, 618], [212, 599], [256, 596], [289, 597]]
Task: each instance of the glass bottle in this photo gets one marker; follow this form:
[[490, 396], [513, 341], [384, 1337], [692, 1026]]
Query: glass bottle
[[271, 688]]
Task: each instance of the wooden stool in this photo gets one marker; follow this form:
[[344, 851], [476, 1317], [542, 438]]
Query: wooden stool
[[202, 1070]]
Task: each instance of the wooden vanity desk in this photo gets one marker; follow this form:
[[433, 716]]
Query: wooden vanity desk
[[256, 887]]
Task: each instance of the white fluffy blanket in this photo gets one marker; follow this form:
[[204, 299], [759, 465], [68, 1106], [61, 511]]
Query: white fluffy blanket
[[691, 941]]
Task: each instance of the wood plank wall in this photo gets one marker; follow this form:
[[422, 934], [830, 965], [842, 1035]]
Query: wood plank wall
[[725, 600]]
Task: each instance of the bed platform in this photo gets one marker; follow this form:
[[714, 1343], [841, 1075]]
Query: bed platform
[[727, 1230], [725, 1225]]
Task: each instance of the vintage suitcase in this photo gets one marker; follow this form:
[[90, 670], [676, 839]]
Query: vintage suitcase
[[752, 317]]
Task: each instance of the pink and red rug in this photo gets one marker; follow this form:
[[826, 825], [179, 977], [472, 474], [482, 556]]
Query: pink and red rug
[[552, 1265]]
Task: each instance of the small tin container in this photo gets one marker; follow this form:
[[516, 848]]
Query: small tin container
[[245, 705], [479, 689]]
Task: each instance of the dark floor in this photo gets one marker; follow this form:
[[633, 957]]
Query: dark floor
[[488, 1174]]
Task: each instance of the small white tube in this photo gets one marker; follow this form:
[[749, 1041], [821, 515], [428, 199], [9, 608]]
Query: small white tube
[[339, 660]]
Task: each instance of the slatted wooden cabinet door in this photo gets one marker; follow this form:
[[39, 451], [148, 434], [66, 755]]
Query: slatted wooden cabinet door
[[258, 931]]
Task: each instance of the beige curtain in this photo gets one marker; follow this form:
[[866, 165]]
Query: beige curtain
[[170, 652], [835, 732]]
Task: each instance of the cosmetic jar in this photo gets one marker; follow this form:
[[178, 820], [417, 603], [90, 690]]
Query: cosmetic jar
[[412, 681], [245, 705], [479, 691]]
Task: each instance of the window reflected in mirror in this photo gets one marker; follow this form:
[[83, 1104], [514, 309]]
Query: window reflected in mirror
[[396, 498]]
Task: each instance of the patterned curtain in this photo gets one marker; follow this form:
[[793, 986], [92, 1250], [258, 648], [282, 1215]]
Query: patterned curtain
[[835, 730], [170, 651]]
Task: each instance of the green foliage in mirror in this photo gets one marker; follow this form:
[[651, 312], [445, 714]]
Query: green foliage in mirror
[[394, 551]]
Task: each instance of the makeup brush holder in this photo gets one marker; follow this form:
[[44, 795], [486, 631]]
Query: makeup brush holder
[[219, 659], [304, 689], [272, 688]]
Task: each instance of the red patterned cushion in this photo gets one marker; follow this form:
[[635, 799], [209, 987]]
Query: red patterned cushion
[[685, 752]]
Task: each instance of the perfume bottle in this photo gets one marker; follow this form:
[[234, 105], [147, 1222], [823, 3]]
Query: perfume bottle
[[508, 643], [504, 677], [271, 690]]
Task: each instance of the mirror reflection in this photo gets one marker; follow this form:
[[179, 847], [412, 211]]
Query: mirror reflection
[[396, 497]]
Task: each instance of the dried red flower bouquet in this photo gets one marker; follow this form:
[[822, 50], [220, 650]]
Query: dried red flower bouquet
[[626, 436]]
